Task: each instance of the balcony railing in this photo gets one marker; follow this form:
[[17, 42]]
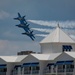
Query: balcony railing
[[69, 70], [32, 72], [47, 71], [2, 73], [27, 72], [59, 72], [52, 72], [35, 72]]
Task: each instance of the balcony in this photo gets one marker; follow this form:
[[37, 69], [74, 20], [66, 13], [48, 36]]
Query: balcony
[[69, 70], [50, 72], [59, 72], [47, 71], [35, 72], [2, 73], [27, 72]]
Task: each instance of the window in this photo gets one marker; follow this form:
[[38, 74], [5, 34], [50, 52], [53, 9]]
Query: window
[[66, 48], [3, 69], [35, 68], [70, 66], [61, 68], [27, 70]]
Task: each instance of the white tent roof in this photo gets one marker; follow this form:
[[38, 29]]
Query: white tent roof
[[58, 36], [53, 56], [20, 58], [13, 58], [72, 54], [41, 56], [46, 56], [37, 56]]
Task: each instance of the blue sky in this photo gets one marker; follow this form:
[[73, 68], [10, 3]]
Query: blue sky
[[39, 14]]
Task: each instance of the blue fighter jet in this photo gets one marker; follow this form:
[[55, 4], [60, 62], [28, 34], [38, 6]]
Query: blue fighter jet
[[20, 18], [27, 29], [30, 34], [23, 25]]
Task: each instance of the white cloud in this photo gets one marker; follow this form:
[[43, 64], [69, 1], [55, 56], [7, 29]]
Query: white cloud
[[6, 47], [12, 47], [3, 44], [9, 34], [4, 14]]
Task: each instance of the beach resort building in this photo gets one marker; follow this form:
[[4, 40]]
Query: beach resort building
[[57, 57]]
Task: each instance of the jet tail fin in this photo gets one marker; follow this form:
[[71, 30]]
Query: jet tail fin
[[31, 32], [19, 14], [24, 16]]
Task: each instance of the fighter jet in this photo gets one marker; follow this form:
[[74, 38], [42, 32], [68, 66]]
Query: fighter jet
[[30, 34], [23, 25], [20, 18], [27, 29]]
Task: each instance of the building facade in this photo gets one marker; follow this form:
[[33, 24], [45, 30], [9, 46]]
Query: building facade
[[57, 58]]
